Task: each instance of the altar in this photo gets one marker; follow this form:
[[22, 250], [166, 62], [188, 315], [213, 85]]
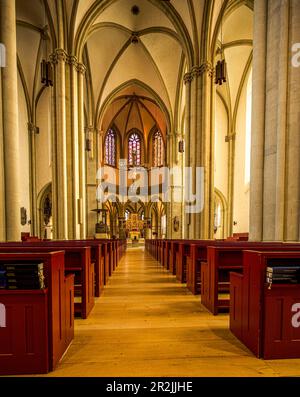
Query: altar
[[134, 235], [135, 228]]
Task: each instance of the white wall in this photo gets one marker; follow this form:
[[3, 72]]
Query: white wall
[[221, 148], [24, 154], [43, 141], [2, 196], [241, 189]]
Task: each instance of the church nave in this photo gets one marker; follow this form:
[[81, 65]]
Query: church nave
[[148, 324]]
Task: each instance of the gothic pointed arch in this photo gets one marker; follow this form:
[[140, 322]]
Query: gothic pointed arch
[[135, 147], [110, 147], [156, 148]]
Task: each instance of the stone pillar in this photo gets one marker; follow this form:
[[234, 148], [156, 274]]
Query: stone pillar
[[283, 63], [194, 137], [59, 143], [231, 156], [275, 158], [82, 153], [32, 130], [147, 230], [176, 189], [258, 119], [2, 185], [207, 119], [187, 81], [10, 121], [169, 204], [158, 227], [291, 22], [122, 234], [72, 150], [204, 150]]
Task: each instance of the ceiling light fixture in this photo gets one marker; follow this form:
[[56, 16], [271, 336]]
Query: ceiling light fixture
[[221, 67], [135, 10]]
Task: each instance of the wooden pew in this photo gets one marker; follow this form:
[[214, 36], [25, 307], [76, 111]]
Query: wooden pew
[[238, 237], [221, 260], [197, 254], [39, 323], [166, 254], [261, 317], [77, 261], [181, 255], [158, 250], [163, 253], [173, 249], [98, 257]]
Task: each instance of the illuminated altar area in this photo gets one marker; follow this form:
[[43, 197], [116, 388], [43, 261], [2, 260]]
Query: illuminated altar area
[[134, 227]]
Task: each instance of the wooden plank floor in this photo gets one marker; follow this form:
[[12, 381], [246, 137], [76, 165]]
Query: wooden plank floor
[[147, 324]]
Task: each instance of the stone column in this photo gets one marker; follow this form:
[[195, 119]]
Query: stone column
[[32, 130], [169, 204], [187, 81], [194, 137], [122, 234], [81, 150], [2, 186], [275, 159], [231, 156], [59, 143], [73, 154], [291, 25], [204, 157], [258, 119], [148, 230], [283, 63], [158, 227], [10, 121]]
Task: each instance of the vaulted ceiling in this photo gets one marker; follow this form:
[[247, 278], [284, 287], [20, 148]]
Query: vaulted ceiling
[[144, 52]]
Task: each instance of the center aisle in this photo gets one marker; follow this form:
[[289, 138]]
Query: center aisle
[[147, 324]]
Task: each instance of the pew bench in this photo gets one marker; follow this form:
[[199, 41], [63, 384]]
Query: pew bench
[[77, 261], [262, 317], [223, 259], [40, 322]]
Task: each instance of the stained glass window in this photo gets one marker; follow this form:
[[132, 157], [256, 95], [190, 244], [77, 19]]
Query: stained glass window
[[134, 149], [158, 149], [110, 148]]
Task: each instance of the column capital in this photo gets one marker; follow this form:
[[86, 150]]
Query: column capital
[[59, 55], [72, 60], [33, 129], [196, 71], [230, 137], [81, 68], [187, 78], [207, 67], [90, 129]]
